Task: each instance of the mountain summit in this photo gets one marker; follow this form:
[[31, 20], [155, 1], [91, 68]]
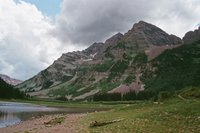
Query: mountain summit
[[147, 34], [103, 67]]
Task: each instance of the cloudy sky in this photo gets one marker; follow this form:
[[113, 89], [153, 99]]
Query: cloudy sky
[[33, 33]]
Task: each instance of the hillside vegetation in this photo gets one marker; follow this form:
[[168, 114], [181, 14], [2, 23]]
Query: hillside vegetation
[[174, 69], [8, 91], [144, 63]]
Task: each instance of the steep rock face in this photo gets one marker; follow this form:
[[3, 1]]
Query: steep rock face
[[143, 36], [102, 67], [62, 70], [114, 39], [10, 80], [192, 36], [111, 42], [147, 34], [94, 49]]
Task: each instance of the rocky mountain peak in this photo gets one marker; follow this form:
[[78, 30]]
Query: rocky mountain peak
[[98, 48], [142, 25], [114, 39], [94, 48], [144, 33], [192, 36]]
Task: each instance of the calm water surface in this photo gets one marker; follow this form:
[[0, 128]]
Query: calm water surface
[[12, 113]]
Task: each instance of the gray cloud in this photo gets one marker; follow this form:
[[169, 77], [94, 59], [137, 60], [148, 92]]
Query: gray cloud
[[87, 21], [29, 42]]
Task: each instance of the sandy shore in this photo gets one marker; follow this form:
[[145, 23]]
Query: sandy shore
[[37, 125]]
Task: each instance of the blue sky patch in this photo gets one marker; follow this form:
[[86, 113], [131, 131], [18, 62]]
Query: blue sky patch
[[48, 7]]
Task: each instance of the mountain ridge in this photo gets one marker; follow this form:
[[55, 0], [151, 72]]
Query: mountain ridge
[[81, 74], [192, 36], [10, 80]]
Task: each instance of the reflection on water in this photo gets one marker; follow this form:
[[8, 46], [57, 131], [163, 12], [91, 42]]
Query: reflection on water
[[12, 113], [11, 107], [8, 119]]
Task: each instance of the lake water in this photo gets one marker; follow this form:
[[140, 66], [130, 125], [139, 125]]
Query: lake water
[[12, 113]]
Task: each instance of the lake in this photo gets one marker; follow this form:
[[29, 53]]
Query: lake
[[12, 113]]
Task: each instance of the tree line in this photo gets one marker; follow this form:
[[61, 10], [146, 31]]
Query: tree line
[[142, 95], [8, 91]]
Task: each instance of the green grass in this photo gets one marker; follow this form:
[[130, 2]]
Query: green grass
[[171, 116], [175, 116], [190, 93], [69, 104]]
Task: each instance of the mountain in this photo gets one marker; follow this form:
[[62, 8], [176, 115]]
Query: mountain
[[174, 69], [117, 65], [192, 36], [8, 91], [10, 80]]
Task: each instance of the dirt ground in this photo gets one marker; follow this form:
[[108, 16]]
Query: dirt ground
[[69, 125]]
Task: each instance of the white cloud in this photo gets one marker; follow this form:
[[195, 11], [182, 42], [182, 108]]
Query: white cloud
[[176, 16], [29, 41], [26, 47]]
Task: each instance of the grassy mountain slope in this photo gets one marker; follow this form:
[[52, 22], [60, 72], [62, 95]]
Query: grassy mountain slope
[[174, 69]]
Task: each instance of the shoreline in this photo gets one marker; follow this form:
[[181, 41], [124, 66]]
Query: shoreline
[[70, 124]]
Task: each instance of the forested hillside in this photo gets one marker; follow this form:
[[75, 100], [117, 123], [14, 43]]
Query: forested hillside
[[8, 91]]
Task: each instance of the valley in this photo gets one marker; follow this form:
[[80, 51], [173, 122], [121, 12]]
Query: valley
[[145, 80]]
